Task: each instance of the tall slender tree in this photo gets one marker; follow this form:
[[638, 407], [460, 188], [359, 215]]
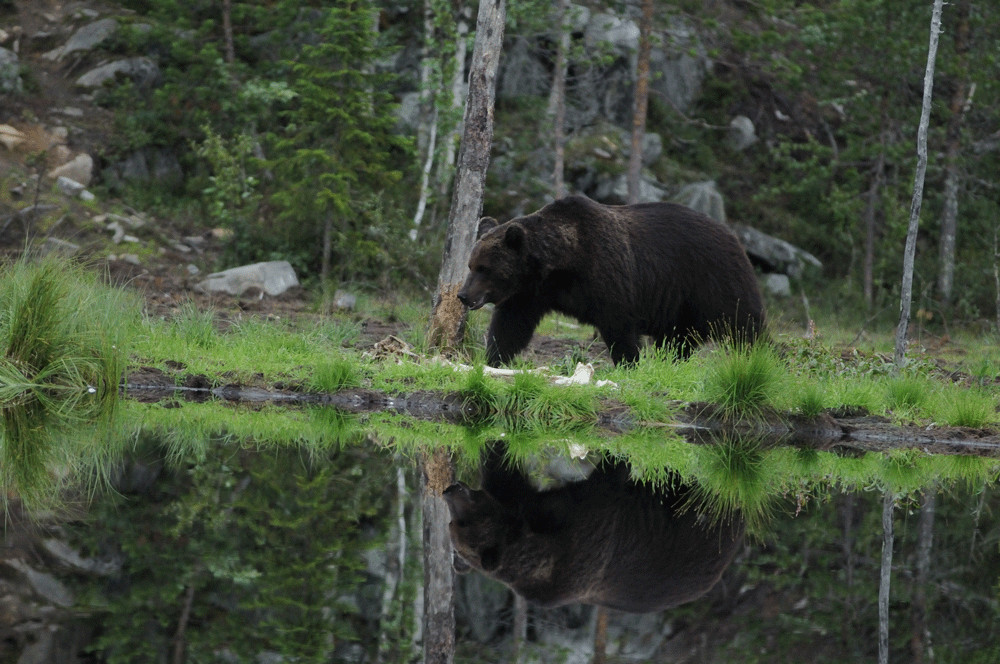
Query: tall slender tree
[[906, 292]]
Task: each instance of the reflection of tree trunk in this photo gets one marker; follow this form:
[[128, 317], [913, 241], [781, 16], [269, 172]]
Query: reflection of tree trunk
[[920, 641], [437, 474], [447, 326], [884, 577], [395, 571], [557, 101], [641, 101], [227, 30], [600, 635], [958, 107], [847, 547], [182, 623], [520, 625], [906, 291]]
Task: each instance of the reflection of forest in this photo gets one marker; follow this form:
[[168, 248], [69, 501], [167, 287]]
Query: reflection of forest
[[232, 555]]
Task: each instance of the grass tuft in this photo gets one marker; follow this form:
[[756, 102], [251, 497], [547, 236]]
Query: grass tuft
[[63, 350], [743, 379]]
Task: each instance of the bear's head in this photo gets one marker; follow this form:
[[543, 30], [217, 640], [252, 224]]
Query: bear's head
[[480, 527], [498, 267]]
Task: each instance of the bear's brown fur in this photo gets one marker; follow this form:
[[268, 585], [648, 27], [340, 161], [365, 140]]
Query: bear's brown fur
[[606, 540], [658, 269]]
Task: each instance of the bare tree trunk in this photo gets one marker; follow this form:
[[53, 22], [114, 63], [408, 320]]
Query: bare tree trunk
[[921, 640], [437, 474], [324, 266], [906, 292], [557, 101], [227, 30], [996, 273], [874, 192], [427, 128], [641, 101], [883, 585], [958, 108], [447, 325]]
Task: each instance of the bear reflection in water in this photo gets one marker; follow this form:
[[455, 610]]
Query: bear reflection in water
[[606, 540]]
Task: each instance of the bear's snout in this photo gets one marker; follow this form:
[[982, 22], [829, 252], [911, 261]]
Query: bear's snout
[[473, 298]]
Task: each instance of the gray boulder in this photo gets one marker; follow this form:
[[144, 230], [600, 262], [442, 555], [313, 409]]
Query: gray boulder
[[679, 66], [273, 278], [79, 169], [10, 71], [85, 39], [143, 72], [704, 197], [742, 133], [775, 254]]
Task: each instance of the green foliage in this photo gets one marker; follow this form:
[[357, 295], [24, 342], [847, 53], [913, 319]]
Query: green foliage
[[232, 543]]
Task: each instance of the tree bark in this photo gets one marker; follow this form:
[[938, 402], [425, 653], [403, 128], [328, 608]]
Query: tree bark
[[906, 291], [600, 635], [437, 474], [874, 192], [884, 578], [447, 325], [557, 101], [641, 101], [958, 107], [520, 625]]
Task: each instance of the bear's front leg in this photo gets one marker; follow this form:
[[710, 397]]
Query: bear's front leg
[[623, 345], [510, 330]]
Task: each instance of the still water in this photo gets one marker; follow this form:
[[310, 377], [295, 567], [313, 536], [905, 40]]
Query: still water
[[280, 532]]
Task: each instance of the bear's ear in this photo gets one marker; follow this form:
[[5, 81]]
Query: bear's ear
[[486, 224], [514, 237]]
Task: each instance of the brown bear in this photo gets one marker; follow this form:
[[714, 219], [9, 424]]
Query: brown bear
[[606, 540], [658, 269]]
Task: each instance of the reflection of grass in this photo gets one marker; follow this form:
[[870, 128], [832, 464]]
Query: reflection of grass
[[733, 482], [62, 354]]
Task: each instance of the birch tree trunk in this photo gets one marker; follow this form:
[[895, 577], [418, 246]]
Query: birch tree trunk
[[641, 101], [453, 139], [906, 292], [447, 325], [883, 584], [427, 129], [874, 193], [958, 108]]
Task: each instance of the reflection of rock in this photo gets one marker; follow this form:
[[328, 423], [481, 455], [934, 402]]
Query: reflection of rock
[[273, 278], [79, 169]]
